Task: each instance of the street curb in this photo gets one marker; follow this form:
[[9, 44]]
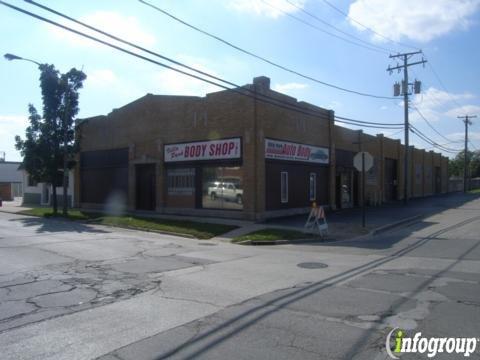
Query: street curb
[[280, 242], [147, 230], [373, 232]]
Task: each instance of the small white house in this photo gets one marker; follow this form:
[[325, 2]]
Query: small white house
[[41, 193], [10, 179]]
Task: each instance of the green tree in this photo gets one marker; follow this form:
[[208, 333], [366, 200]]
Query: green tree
[[49, 145], [456, 166]]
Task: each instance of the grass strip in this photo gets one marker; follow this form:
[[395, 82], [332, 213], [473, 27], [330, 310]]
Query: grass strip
[[180, 227], [272, 235]]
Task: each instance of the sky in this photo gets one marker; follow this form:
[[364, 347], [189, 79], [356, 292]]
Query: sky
[[340, 42]]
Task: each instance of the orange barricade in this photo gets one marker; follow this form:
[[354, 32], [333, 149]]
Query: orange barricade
[[317, 220]]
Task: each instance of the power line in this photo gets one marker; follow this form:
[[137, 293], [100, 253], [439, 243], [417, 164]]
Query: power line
[[296, 18], [241, 90], [282, 67], [396, 42], [428, 123], [424, 137], [443, 85], [366, 122], [473, 145], [368, 28], [385, 50]]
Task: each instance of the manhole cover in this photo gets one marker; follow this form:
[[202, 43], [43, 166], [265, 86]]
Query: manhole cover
[[312, 265]]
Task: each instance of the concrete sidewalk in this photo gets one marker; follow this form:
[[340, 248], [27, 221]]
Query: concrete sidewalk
[[347, 224], [342, 225]]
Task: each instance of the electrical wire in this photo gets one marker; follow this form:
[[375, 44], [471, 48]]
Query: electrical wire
[[421, 135], [320, 20], [442, 84], [241, 90], [428, 123], [270, 62], [296, 18], [368, 28]]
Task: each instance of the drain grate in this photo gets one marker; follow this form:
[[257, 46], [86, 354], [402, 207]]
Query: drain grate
[[207, 244], [312, 265]]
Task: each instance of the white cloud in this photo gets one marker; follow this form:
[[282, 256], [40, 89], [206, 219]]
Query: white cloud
[[285, 88], [11, 125], [435, 104], [269, 8], [173, 83], [101, 77], [460, 136], [413, 19], [126, 27], [105, 80], [463, 110]]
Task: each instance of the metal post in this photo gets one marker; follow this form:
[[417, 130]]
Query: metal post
[[465, 158], [407, 129], [65, 157], [363, 188]]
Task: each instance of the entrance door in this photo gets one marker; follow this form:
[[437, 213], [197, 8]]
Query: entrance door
[[45, 199], [438, 180], [390, 185], [145, 184]]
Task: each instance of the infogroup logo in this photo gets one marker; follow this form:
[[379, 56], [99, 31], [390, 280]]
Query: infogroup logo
[[398, 343]]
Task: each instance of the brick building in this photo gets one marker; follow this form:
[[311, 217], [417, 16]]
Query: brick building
[[230, 155]]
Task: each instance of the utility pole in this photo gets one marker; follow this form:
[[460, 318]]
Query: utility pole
[[465, 155], [406, 93]]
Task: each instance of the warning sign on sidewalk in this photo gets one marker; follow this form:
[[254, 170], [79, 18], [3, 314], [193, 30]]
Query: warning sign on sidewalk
[[317, 220]]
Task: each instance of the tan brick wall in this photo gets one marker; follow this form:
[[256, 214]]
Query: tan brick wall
[[147, 124]]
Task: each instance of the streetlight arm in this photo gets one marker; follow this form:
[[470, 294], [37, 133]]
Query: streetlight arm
[[11, 57]]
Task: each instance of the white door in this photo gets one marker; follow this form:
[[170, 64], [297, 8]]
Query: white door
[[45, 194]]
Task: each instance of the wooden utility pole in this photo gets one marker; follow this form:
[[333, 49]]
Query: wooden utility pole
[[465, 155], [405, 93]]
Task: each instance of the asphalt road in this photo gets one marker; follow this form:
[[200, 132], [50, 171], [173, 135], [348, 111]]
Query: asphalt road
[[74, 291]]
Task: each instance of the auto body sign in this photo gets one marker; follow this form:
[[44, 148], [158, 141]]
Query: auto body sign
[[204, 150], [284, 150]]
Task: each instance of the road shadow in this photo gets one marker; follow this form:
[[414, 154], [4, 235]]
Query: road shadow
[[349, 220], [48, 225], [207, 340]]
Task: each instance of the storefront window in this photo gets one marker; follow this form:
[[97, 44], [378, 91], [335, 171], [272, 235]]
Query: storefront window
[[222, 188], [181, 181], [313, 186], [346, 193], [284, 186]]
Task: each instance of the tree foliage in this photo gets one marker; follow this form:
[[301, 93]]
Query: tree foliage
[[456, 166], [50, 135]]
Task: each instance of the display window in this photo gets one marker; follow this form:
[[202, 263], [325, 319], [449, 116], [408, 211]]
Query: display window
[[222, 187], [181, 181]]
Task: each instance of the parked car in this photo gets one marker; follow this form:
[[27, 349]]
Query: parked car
[[319, 155], [226, 191]]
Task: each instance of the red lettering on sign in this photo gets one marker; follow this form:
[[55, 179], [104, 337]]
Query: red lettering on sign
[[218, 149], [230, 147], [186, 151]]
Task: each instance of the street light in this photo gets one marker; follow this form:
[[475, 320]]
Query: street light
[[11, 57]]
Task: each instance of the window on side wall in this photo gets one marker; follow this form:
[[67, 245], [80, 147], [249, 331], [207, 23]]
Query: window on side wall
[[31, 182], [284, 186], [313, 187]]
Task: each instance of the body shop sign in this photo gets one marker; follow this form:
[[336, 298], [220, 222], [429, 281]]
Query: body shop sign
[[284, 150], [204, 150]]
